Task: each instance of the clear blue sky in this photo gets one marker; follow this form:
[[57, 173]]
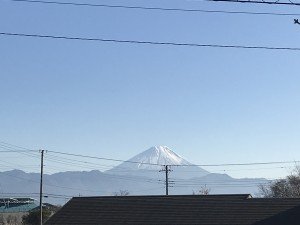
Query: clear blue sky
[[115, 100]]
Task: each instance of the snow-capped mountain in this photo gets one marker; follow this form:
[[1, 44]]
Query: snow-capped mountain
[[140, 178], [157, 155], [153, 158]]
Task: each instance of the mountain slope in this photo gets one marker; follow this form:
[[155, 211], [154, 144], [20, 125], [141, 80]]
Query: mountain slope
[[140, 178], [157, 155], [149, 163], [95, 183]]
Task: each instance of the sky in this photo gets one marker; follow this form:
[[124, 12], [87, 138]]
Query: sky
[[209, 105]]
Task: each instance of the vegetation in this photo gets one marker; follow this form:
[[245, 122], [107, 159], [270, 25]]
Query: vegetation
[[33, 218], [2, 220], [11, 218], [204, 190], [283, 188], [121, 193]]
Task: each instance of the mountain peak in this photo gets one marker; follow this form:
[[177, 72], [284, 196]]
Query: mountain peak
[[152, 158], [161, 155]]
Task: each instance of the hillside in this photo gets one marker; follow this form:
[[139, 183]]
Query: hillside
[[142, 178]]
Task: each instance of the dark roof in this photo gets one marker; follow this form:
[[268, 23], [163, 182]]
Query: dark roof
[[178, 210]]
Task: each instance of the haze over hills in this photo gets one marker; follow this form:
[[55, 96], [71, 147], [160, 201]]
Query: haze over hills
[[139, 175]]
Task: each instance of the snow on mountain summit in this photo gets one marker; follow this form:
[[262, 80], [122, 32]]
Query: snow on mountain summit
[[152, 159], [161, 155]]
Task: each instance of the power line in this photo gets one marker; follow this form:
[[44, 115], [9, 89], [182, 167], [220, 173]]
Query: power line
[[11, 149], [85, 156], [239, 164], [236, 170], [113, 176], [188, 165], [18, 165], [149, 42], [290, 3], [19, 194], [70, 162], [16, 146], [102, 158], [219, 182], [131, 178], [125, 169], [231, 186], [87, 164], [51, 185], [155, 8], [21, 150], [15, 151], [184, 165]]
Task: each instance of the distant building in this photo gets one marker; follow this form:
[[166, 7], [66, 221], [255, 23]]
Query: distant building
[[178, 210], [15, 205], [13, 209]]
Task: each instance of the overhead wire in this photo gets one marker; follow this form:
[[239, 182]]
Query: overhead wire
[[289, 3], [125, 169], [14, 148], [59, 186], [157, 43], [218, 182], [136, 179], [238, 164], [134, 7], [18, 165], [186, 165], [156, 164], [103, 158], [61, 159], [52, 185], [19, 194], [113, 176], [130, 178], [231, 186], [177, 182]]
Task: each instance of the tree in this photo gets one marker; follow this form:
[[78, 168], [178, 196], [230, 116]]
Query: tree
[[121, 193], [204, 190], [288, 187], [33, 218]]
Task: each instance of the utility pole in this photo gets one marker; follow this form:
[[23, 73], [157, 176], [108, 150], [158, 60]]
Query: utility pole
[[166, 169], [41, 187]]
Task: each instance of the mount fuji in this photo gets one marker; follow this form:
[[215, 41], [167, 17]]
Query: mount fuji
[[161, 155], [139, 175], [152, 160]]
